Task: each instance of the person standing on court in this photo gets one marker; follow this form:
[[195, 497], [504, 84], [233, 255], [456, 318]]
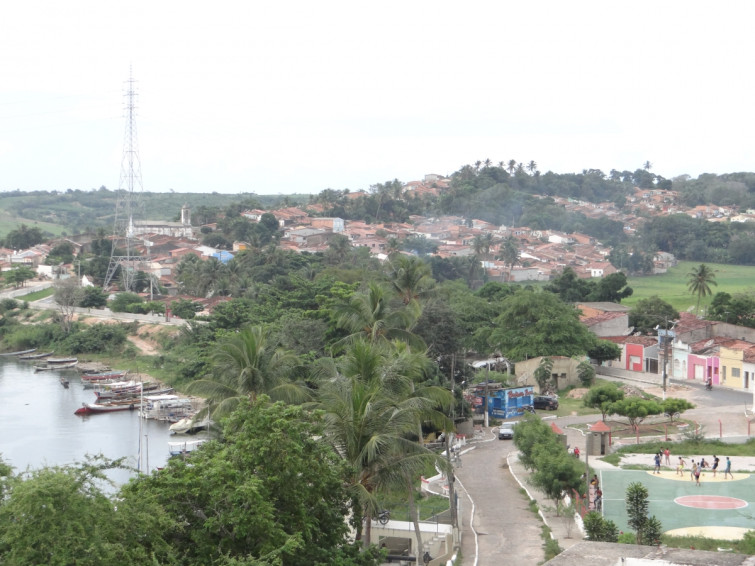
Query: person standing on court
[[667, 456], [697, 475], [692, 471], [680, 467], [727, 469], [714, 467], [657, 469]]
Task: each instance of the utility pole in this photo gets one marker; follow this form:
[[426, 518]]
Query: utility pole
[[487, 379]]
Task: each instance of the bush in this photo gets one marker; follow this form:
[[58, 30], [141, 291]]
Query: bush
[[100, 338]]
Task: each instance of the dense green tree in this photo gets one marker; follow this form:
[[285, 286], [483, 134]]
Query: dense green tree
[[602, 396], [272, 492], [736, 309], [61, 253], [611, 288], [93, 297], [185, 308], [635, 409], [647, 314], [533, 324], [699, 280], [604, 351], [569, 286], [530, 433], [675, 407], [60, 516], [556, 473], [124, 302], [18, 276], [23, 238]]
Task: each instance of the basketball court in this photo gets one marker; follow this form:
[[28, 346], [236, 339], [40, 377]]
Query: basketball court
[[717, 508]]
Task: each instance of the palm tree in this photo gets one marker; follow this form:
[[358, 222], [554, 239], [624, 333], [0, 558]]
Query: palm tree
[[411, 278], [699, 281], [532, 167], [512, 166], [371, 410], [369, 315], [509, 252], [246, 365]]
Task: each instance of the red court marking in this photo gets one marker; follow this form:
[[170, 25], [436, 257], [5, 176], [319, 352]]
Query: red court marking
[[710, 502]]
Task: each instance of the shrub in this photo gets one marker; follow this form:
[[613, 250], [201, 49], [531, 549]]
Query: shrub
[[100, 338]]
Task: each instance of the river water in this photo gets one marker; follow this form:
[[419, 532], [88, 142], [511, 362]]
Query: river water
[[38, 426]]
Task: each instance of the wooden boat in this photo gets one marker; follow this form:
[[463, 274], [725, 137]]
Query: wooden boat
[[64, 382], [35, 356], [104, 376], [53, 367], [19, 353], [95, 408], [62, 360], [130, 389]]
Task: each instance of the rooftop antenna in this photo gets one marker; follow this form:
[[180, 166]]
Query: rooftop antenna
[[125, 257]]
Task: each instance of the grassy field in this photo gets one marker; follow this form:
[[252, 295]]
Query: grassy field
[[672, 286]]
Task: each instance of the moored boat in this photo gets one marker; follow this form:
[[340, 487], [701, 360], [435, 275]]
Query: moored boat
[[55, 367], [35, 356], [19, 353], [190, 425], [64, 382], [61, 360], [103, 376], [94, 408]]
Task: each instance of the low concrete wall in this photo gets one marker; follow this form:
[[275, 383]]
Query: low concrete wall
[[649, 378]]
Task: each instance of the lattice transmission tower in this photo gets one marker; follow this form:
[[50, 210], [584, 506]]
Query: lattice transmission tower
[[129, 206]]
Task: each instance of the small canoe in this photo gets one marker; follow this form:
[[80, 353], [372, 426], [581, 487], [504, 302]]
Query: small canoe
[[64, 382], [61, 360], [20, 353], [55, 367], [35, 356]]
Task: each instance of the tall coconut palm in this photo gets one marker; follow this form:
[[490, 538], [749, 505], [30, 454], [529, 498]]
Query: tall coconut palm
[[246, 365], [372, 410], [411, 278], [370, 315], [699, 280], [512, 166], [509, 252]]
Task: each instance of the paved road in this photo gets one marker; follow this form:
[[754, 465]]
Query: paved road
[[500, 528]]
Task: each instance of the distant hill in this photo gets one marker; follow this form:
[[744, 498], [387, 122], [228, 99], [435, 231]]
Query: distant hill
[[76, 211]]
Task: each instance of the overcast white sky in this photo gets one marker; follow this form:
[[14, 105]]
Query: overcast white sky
[[298, 96]]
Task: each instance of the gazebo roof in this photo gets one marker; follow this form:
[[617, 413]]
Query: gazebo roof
[[600, 426]]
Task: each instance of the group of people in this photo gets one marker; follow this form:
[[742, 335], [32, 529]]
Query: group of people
[[662, 454], [697, 468]]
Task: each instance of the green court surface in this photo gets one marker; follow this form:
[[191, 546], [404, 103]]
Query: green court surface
[[718, 508]]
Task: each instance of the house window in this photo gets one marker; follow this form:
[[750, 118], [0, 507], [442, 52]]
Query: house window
[[735, 372]]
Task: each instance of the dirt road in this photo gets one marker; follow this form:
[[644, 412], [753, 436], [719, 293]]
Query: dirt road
[[508, 532]]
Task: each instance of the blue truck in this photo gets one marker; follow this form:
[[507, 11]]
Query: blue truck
[[506, 403]]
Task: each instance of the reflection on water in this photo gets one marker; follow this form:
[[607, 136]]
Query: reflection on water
[[38, 427]]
